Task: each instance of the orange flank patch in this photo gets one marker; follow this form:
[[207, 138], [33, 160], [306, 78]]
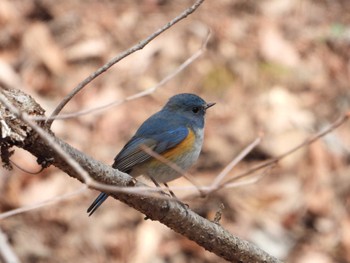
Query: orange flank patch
[[182, 147]]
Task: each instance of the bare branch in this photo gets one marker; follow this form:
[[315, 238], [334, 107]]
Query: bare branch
[[207, 234], [309, 141], [146, 92], [121, 56], [234, 162], [42, 204]]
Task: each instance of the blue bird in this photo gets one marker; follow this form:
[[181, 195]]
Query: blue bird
[[175, 132]]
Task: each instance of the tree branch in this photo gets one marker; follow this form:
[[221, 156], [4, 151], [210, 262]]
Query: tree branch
[[121, 56], [207, 234]]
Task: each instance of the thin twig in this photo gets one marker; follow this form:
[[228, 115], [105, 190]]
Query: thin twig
[[172, 165], [121, 56], [234, 162], [309, 141], [50, 201], [211, 190], [146, 92]]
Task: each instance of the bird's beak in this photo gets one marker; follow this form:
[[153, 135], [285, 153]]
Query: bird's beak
[[210, 104]]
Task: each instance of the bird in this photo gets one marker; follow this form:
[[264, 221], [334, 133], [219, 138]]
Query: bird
[[175, 132]]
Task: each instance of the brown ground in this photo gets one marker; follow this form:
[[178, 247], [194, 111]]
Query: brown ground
[[277, 67]]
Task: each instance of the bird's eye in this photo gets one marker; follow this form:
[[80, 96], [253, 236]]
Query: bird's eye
[[195, 109]]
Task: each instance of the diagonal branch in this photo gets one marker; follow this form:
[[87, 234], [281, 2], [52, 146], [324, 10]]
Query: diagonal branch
[[205, 233], [340, 121], [121, 56], [148, 91]]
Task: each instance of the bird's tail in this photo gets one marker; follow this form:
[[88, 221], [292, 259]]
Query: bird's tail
[[96, 204]]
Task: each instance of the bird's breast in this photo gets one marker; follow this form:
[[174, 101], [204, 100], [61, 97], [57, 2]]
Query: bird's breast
[[182, 155], [186, 146]]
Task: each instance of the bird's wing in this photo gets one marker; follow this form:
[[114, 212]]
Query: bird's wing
[[132, 154]]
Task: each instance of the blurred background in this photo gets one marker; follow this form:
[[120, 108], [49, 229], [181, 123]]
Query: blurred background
[[281, 68]]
